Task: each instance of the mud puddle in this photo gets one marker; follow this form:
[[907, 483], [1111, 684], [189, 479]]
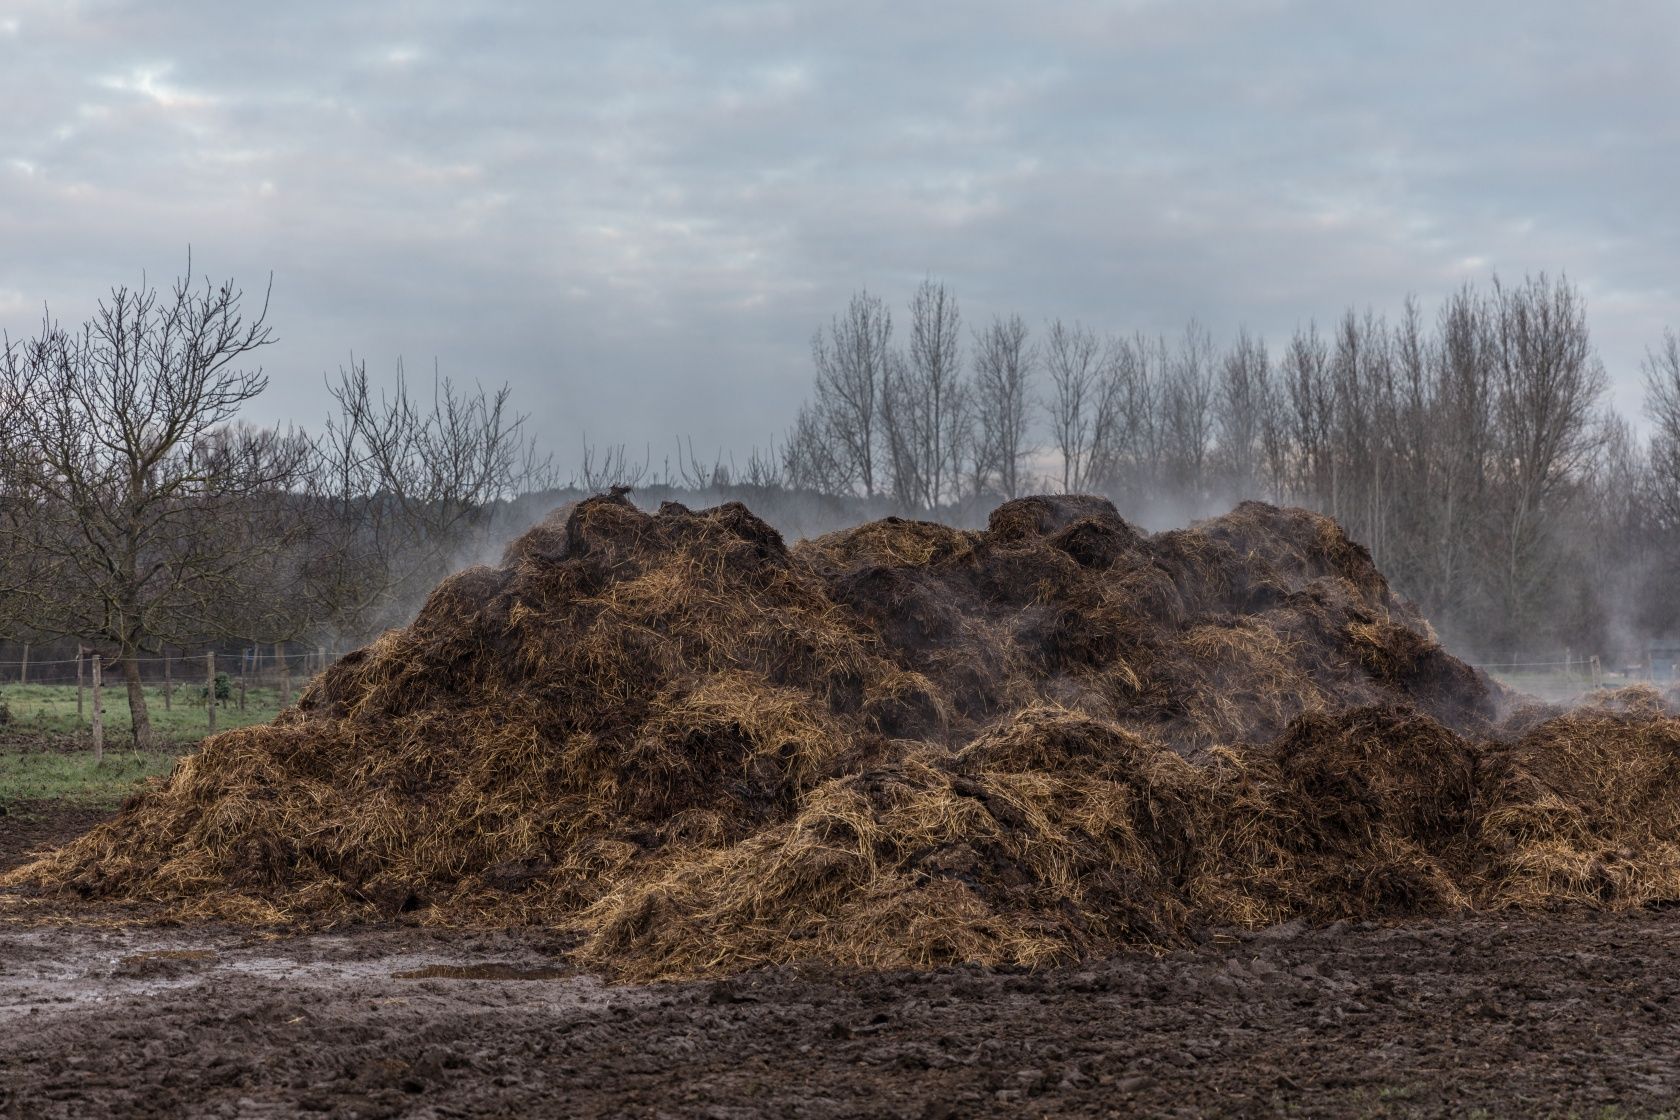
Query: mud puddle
[[60, 968]]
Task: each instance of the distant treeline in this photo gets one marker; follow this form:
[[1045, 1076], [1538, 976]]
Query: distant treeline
[[1470, 448], [139, 513]]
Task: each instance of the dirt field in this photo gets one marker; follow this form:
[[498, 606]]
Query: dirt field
[[1574, 1015]]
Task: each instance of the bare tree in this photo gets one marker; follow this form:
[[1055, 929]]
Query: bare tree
[[603, 468], [1081, 403], [141, 503], [936, 364], [1241, 403], [1661, 368], [1188, 407], [764, 468], [1004, 362], [925, 406], [853, 362], [1277, 453], [1547, 385], [813, 457], [1362, 391], [1130, 443], [21, 575], [406, 486], [1460, 416], [1311, 415], [1413, 445]]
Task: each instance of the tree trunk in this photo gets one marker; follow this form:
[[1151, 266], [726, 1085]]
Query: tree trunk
[[136, 699]]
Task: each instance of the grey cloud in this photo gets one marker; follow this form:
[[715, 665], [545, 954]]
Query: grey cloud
[[639, 213]]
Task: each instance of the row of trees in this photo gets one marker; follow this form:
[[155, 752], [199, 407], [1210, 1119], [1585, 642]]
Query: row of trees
[[1471, 449], [137, 512]]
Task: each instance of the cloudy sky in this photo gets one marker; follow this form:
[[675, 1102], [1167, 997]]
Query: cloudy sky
[[638, 212]]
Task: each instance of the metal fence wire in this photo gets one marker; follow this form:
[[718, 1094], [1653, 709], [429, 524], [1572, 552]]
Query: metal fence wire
[[217, 678]]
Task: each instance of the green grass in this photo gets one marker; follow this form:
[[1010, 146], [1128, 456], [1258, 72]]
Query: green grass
[[46, 752], [50, 710], [74, 779]]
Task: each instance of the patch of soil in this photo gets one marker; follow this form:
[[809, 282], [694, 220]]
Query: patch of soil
[[26, 826], [1553, 1015]]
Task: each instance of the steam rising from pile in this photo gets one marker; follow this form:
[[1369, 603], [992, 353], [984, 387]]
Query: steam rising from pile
[[900, 745]]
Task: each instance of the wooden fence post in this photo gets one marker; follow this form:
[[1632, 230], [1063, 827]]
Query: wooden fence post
[[168, 684], [23, 671], [210, 688], [242, 692], [285, 673], [98, 714]]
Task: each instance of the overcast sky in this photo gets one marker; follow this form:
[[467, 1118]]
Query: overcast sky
[[638, 212]]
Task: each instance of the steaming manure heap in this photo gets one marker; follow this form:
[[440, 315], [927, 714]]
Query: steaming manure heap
[[902, 745]]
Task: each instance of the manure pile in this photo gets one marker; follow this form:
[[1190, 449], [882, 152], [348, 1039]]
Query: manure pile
[[902, 745]]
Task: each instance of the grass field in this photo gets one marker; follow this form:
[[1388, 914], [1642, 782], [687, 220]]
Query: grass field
[[46, 753], [50, 709], [72, 779]]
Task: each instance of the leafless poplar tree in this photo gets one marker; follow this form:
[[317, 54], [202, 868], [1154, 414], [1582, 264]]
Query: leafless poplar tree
[[1189, 413], [1311, 415], [1004, 362], [1242, 401], [1081, 403], [1661, 368], [853, 361], [1467, 451], [1131, 450], [1362, 391], [1412, 446], [925, 408], [1460, 418], [1547, 386]]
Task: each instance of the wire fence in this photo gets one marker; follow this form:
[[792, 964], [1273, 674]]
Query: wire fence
[[250, 661], [223, 677], [214, 679]]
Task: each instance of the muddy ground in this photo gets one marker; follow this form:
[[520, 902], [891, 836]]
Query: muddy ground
[[28, 825], [1567, 1015]]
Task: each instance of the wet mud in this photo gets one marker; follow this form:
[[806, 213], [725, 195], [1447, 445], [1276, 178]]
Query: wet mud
[[1567, 1015], [28, 827]]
